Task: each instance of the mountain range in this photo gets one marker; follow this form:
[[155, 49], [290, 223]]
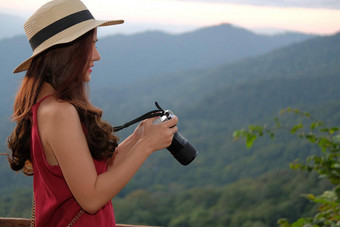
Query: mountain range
[[129, 59], [153, 53], [213, 103], [132, 57]]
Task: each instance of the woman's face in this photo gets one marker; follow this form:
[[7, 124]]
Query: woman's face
[[93, 57]]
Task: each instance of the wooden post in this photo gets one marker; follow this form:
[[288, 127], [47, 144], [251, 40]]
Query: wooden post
[[24, 222]]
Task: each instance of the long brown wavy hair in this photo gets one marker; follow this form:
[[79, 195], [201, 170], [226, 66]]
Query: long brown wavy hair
[[62, 66]]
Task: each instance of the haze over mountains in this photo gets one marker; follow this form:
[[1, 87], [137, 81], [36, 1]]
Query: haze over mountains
[[132, 57], [10, 26], [129, 59], [154, 53]]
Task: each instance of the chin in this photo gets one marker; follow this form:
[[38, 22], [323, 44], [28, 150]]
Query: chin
[[87, 78]]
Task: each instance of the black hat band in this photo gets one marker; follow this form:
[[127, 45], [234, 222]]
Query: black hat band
[[59, 26]]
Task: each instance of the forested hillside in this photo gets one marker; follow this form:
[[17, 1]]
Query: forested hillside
[[213, 103], [218, 101], [227, 185]]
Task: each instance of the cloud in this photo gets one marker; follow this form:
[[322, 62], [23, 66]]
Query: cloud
[[325, 4]]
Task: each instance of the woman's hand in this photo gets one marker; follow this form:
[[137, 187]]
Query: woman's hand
[[142, 133], [157, 136], [137, 134]]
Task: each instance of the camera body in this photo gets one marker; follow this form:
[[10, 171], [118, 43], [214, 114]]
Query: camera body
[[180, 147]]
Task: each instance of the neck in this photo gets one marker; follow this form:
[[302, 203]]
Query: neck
[[46, 89]]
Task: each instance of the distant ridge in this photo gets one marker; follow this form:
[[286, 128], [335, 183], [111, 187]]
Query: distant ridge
[[149, 54], [129, 58]]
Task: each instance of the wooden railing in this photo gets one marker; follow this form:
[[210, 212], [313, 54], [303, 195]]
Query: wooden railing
[[23, 222]]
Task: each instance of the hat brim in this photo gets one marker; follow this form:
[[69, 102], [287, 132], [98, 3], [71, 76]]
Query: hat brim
[[66, 36]]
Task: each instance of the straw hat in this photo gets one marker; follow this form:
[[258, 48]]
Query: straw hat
[[57, 22]]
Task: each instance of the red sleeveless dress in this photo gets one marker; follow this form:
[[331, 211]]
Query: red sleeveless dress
[[54, 203]]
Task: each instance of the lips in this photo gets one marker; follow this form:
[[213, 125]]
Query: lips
[[90, 69]]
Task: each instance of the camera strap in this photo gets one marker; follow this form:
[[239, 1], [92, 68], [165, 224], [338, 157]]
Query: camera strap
[[151, 114]]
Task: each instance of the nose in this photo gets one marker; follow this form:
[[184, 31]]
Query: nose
[[95, 54]]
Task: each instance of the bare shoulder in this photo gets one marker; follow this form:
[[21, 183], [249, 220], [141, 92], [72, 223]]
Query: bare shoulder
[[59, 124], [56, 111]]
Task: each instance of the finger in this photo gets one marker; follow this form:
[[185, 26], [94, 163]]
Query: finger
[[174, 129], [172, 122], [150, 120]]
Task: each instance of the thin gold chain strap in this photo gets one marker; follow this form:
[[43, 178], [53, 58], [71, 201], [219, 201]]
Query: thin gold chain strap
[[69, 225], [33, 212], [76, 218]]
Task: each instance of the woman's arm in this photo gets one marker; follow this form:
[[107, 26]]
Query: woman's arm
[[64, 135], [124, 147]]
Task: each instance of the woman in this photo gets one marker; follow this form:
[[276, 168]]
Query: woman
[[60, 137]]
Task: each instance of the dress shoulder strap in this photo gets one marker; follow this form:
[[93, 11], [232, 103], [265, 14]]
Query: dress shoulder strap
[[41, 100]]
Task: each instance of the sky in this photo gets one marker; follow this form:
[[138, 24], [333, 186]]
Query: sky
[[176, 16]]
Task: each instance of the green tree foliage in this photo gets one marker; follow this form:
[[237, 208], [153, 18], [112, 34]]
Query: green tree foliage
[[326, 163], [18, 203], [248, 202]]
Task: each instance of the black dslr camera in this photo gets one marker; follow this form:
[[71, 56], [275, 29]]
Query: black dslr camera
[[180, 147]]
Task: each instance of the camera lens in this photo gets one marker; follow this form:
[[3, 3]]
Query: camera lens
[[182, 149]]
